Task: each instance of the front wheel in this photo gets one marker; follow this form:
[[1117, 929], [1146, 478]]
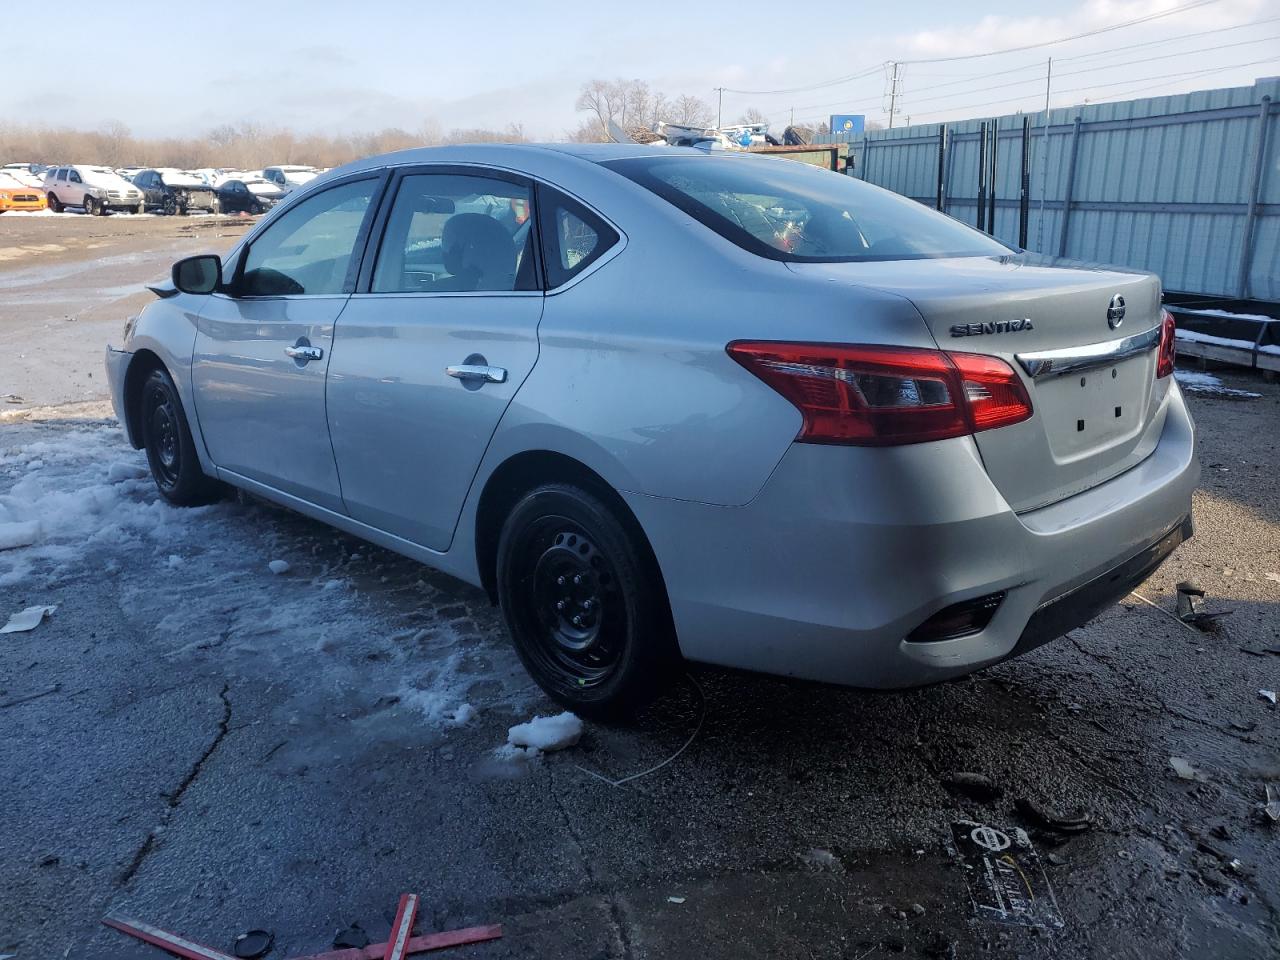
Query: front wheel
[[91, 207], [171, 452], [584, 602]]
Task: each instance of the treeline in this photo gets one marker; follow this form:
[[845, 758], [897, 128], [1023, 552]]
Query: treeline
[[242, 146]]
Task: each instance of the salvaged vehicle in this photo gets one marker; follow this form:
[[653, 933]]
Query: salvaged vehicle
[[288, 176], [27, 174], [16, 195], [670, 403], [174, 192], [247, 196], [96, 190]]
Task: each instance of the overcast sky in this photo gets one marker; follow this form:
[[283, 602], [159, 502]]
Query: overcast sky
[[338, 66]]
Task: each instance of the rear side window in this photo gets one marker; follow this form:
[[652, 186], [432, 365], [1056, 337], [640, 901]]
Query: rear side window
[[786, 210], [572, 236], [457, 233], [309, 249]]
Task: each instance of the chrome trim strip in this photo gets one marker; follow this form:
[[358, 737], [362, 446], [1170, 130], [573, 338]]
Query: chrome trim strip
[[1055, 363]]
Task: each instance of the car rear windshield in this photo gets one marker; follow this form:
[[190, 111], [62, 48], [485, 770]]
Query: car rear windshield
[[786, 210]]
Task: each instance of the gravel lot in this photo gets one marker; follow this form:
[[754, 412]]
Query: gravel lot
[[198, 742]]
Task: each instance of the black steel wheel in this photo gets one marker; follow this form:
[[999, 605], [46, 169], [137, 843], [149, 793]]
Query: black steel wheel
[[171, 452], [584, 601]]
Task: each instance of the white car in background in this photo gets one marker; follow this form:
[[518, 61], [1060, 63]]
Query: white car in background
[[95, 189], [288, 176], [27, 174]]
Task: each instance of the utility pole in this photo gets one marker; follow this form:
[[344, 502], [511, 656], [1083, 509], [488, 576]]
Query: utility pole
[[720, 108], [793, 117], [893, 93], [1044, 169]]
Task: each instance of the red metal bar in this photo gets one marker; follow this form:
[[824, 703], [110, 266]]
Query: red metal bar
[[164, 940], [431, 941], [402, 928]]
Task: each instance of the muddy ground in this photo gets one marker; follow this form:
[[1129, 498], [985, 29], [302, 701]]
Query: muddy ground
[[210, 747]]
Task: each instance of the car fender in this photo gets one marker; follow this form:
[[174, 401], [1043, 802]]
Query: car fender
[[167, 329]]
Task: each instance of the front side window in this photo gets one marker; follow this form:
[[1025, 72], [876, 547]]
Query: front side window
[[574, 236], [309, 250], [786, 210], [75, 176], [455, 233]]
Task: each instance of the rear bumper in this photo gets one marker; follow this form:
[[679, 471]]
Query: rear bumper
[[846, 550]]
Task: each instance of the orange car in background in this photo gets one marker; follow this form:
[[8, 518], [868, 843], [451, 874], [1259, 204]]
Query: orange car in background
[[15, 195]]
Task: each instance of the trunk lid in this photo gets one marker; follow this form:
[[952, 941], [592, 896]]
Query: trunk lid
[[1097, 405]]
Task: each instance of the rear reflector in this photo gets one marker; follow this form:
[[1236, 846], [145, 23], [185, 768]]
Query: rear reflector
[[958, 620], [877, 396], [1168, 345]]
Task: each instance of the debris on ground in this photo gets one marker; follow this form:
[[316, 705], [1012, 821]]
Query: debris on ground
[[32, 617], [278, 566], [1007, 883], [1186, 770], [353, 937], [1271, 803], [546, 734], [976, 785], [1267, 695], [253, 944], [818, 859], [1048, 820], [1189, 597], [675, 899]]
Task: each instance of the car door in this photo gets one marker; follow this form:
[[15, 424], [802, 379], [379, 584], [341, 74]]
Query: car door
[[75, 189], [432, 347], [263, 344]]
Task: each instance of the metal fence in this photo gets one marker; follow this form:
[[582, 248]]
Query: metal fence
[[1186, 186]]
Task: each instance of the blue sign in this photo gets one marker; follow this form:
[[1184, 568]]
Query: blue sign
[[848, 122]]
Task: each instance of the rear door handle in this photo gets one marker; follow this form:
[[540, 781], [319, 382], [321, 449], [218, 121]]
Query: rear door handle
[[303, 353], [469, 371]]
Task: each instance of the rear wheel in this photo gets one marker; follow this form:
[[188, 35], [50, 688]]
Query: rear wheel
[[584, 602], [54, 203], [171, 452]]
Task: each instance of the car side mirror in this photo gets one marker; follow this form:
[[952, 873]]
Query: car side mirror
[[201, 274]]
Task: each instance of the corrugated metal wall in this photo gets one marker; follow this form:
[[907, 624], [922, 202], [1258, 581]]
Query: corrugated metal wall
[[1168, 184]]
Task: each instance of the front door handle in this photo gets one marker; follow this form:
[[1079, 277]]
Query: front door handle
[[303, 352], [474, 371]]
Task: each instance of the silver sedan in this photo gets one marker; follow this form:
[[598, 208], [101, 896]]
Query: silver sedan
[[672, 403]]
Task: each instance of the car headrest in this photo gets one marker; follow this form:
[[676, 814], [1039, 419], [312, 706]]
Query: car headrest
[[479, 251]]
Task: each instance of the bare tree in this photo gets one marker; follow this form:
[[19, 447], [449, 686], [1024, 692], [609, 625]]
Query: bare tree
[[692, 111], [753, 115]]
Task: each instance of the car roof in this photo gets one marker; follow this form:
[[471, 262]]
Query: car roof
[[514, 152]]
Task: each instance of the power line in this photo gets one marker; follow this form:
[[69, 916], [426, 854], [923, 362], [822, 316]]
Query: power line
[[1114, 66], [1078, 36], [974, 56], [1103, 86]]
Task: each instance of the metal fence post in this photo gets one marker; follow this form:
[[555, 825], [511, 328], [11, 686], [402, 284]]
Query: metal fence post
[[982, 177], [1255, 187], [1069, 187], [995, 170], [1024, 193], [951, 166], [866, 154], [942, 161]]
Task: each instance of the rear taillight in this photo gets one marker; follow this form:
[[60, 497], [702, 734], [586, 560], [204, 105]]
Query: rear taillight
[[1168, 345], [871, 395]]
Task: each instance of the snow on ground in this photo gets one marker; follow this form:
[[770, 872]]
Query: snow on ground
[[1194, 336], [77, 502], [546, 733], [1196, 381]]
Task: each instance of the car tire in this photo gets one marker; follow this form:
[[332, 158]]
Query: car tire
[[90, 206], [171, 451], [584, 602], [169, 207], [54, 203]]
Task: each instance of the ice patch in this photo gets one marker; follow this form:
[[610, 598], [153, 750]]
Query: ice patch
[[1195, 381], [14, 535], [278, 566], [125, 471], [546, 733], [463, 715]]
